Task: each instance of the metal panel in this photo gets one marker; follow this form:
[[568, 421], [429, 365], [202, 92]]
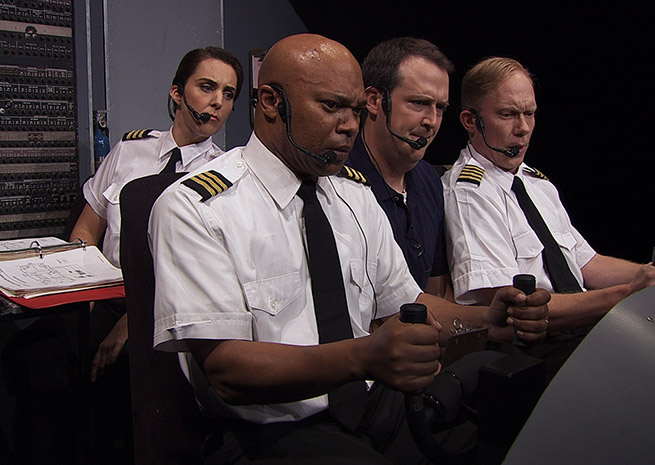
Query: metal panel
[[600, 407], [38, 117]]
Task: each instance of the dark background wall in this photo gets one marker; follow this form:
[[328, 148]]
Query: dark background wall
[[592, 137]]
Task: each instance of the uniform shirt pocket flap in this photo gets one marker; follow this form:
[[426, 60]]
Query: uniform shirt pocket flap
[[113, 193], [272, 295], [565, 240], [358, 273], [528, 245]]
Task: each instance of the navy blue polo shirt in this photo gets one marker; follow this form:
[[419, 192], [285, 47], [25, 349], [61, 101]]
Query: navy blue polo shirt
[[418, 225]]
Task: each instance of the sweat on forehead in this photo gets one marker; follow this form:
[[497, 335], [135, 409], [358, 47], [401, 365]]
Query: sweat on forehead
[[318, 52]]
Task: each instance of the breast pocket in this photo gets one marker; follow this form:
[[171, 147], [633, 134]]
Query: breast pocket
[[112, 193], [566, 242], [275, 295], [528, 246]]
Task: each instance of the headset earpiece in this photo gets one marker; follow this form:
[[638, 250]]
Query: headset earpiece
[[283, 106], [478, 119], [478, 123], [282, 110], [386, 101]]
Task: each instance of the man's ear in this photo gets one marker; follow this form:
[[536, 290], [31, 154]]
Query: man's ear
[[373, 102], [467, 117], [268, 100]]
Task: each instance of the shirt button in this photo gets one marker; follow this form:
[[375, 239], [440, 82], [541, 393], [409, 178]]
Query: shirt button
[[273, 304], [239, 164]]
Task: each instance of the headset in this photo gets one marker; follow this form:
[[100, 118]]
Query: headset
[[479, 123], [201, 117], [417, 144], [284, 110]]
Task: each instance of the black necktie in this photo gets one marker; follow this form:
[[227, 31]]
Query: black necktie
[[348, 402], [558, 270], [176, 155]]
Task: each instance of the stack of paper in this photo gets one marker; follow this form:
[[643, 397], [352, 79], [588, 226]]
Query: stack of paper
[[53, 267]]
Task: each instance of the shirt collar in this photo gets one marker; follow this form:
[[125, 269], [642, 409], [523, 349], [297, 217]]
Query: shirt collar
[[188, 152], [278, 180], [500, 176]]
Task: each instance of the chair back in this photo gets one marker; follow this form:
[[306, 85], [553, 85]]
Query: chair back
[[168, 426]]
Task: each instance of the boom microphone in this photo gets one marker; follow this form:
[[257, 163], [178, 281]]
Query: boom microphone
[[511, 153], [323, 160], [284, 110], [202, 117], [417, 144]]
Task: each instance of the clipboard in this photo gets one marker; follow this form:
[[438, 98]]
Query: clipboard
[[62, 298]]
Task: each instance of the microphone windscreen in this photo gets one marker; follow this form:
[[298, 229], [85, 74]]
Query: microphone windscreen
[[421, 142], [330, 156]]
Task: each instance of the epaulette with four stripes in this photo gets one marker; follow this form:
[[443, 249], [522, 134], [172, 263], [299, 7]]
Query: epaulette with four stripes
[[208, 184], [472, 174], [137, 134], [536, 173], [351, 173]]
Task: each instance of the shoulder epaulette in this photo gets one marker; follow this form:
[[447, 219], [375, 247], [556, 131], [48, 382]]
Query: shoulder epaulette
[[137, 134], [472, 174], [351, 173], [208, 184], [536, 173]]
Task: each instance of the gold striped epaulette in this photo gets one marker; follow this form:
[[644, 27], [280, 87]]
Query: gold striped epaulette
[[208, 184], [472, 174], [137, 134], [536, 173], [351, 173]]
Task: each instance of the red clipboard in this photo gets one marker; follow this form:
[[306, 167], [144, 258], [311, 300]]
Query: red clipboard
[[84, 295]]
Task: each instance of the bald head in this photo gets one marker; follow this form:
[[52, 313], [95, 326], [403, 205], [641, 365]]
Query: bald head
[[303, 58], [322, 83]]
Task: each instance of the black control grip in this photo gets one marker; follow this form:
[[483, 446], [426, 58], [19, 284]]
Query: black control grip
[[432, 410], [528, 284], [413, 313], [420, 418]]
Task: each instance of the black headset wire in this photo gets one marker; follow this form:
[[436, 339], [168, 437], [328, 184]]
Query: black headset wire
[[390, 191], [368, 276], [377, 167], [171, 115]]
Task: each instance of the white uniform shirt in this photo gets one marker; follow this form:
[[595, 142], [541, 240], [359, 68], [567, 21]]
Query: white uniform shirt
[[129, 160], [488, 236], [235, 266]]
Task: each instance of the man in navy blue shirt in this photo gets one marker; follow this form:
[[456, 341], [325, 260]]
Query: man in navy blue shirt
[[406, 82]]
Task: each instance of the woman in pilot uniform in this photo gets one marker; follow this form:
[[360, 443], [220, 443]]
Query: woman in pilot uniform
[[201, 98]]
